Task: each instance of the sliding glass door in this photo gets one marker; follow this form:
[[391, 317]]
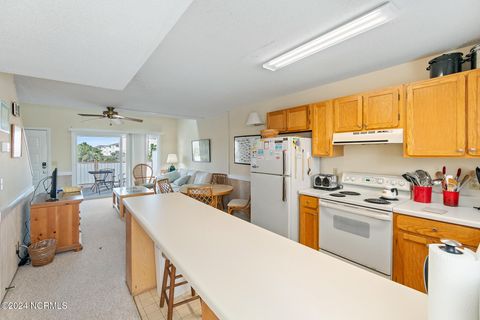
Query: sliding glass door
[[101, 152]]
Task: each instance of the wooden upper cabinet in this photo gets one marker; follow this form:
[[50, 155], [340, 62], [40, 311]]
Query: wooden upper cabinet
[[298, 118], [348, 114], [309, 221], [381, 109], [473, 113], [277, 120], [322, 130], [435, 124]]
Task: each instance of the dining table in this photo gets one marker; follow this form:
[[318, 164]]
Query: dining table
[[100, 178], [218, 192]]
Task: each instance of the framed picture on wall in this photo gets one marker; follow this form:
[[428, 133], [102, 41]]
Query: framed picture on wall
[[201, 150], [16, 143], [4, 117], [242, 148]]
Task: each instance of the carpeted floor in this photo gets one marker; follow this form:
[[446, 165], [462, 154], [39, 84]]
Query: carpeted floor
[[91, 282]]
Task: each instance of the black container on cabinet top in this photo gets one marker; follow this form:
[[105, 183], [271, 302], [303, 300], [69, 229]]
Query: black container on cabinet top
[[445, 64]]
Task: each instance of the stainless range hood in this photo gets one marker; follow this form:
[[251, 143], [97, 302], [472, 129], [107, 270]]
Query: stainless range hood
[[369, 137]]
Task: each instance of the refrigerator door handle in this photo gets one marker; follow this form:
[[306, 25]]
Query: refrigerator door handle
[[283, 162], [284, 193]]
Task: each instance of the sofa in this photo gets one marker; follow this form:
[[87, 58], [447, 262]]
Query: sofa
[[186, 176]]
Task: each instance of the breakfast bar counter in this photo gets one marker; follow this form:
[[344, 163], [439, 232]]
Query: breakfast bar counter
[[242, 271]]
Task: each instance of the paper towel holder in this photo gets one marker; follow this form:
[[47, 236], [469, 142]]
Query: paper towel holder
[[451, 246]]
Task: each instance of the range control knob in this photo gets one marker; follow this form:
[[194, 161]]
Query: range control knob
[[380, 180], [401, 183], [393, 182]]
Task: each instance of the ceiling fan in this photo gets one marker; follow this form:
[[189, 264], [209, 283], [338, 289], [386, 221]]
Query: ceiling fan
[[110, 114]]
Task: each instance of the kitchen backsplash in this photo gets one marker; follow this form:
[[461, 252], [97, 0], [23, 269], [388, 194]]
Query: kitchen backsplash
[[388, 159]]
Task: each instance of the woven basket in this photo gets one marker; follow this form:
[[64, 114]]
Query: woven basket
[[42, 252]]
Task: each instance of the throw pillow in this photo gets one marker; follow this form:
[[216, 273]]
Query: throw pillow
[[181, 181]]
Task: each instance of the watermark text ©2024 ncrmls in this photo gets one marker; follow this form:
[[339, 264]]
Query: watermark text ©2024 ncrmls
[[34, 305]]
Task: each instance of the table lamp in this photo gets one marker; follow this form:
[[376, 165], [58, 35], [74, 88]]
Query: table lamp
[[171, 159]]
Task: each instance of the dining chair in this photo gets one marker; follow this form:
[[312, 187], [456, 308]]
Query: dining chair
[[242, 205], [203, 194], [219, 178], [102, 179], [143, 175], [163, 186]]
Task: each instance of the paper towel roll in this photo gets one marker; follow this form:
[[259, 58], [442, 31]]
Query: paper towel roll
[[453, 284]]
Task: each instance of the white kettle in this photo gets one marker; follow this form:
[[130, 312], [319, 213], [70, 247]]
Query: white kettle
[[390, 193]]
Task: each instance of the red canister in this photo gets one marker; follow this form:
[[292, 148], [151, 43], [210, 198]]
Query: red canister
[[450, 198], [422, 194]]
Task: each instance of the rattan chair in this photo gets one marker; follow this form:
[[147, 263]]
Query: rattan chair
[[203, 194], [163, 186], [241, 205], [143, 175], [219, 178]]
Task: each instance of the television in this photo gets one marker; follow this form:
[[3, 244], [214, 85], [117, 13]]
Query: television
[[53, 186]]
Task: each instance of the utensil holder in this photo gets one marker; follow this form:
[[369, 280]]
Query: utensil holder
[[422, 194], [450, 198]]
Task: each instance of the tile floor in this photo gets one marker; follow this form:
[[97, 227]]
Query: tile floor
[[149, 309]]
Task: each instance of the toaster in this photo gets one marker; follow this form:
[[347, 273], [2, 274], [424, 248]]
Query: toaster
[[325, 182]]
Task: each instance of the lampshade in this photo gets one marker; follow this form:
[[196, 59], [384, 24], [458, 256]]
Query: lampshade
[[172, 158], [254, 119]]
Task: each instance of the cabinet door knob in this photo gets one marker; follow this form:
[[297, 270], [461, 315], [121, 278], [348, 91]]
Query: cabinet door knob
[[434, 229], [460, 150], [472, 149]]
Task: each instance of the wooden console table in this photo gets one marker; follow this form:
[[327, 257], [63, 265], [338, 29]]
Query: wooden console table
[[58, 220]]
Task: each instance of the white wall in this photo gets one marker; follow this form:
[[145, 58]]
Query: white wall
[[386, 159], [215, 129], [17, 182]]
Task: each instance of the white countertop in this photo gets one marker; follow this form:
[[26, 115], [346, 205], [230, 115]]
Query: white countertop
[[462, 215], [245, 272]]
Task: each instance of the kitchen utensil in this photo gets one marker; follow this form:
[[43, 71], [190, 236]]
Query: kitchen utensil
[[459, 172], [410, 178], [390, 193], [445, 64], [463, 182], [451, 183], [437, 182], [424, 177], [477, 172]]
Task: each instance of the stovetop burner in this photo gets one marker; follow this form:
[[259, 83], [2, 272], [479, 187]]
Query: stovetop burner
[[383, 198], [350, 193], [377, 201], [337, 195]]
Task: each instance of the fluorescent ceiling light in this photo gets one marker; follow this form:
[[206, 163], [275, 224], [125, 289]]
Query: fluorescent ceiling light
[[368, 21]]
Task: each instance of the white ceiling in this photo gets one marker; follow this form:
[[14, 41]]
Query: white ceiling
[[89, 42], [211, 60]]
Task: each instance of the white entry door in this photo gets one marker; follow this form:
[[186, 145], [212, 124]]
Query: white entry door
[[38, 147]]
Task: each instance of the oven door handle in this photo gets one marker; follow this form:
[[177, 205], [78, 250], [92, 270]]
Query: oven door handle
[[366, 212]]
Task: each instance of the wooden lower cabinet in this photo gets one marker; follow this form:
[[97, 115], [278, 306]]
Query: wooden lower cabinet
[[309, 221], [411, 238], [59, 220]]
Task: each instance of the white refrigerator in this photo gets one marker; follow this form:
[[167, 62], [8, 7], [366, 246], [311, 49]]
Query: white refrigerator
[[280, 167]]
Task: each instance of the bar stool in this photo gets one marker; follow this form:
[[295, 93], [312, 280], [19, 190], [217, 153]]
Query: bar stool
[[169, 283]]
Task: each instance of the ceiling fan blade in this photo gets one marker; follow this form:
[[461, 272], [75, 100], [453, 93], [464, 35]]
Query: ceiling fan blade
[[132, 119], [96, 118], [126, 118], [90, 115]]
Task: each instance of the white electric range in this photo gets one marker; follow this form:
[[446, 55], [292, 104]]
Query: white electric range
[[356, 222]]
